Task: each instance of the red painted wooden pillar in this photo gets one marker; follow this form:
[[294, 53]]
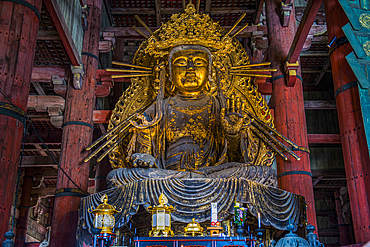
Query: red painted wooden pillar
[[79, 109], [18, 35], [355, 150], [290, 120], [20, 236], [102, 170]]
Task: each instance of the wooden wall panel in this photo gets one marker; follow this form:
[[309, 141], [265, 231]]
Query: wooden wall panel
[[322, 122], [72, 12], [326, 158]]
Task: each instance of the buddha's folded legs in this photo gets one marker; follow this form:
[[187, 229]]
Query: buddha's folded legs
[[259, 174]]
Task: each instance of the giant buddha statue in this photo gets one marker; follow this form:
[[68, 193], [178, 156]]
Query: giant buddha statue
[[193, 126]]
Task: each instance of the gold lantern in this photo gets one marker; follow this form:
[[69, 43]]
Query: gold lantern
[[161, 218], [104, 218], [193, 229]]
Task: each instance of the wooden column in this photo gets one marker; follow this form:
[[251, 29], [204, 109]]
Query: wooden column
[[18, 35], [20, 236], [354, 145], [345, 231], [290, 120], [76, 137], [102, 170]]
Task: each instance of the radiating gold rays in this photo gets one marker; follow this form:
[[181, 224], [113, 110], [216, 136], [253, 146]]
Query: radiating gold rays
[[139, 71], [140, 32], [250, 70], [235, 24], [114, 136], [131, 65]]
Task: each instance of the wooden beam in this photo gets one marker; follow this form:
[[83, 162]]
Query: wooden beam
[[45, 73], [305, 25], [259, 11], [133, 11], [312, 70], [232, 10], [265, 88], [44, 192], [102, 129], [170, 11], [105, 76], [323, 72], [101, 116], [48, 35], [320, 105], [327, 186], [314, 54], [39, 117], [40, 150], [41, 102], [49, 137], [38, 161], [334, 173], [317, 181], [129, 32], [38, 88], [324, 139], [109, 11], [61, 26], [208, 6], [158, 12]]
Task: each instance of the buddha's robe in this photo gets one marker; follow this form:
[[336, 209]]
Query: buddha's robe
[[189, 136]]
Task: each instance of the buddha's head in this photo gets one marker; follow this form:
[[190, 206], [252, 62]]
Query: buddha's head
[[190, 67]]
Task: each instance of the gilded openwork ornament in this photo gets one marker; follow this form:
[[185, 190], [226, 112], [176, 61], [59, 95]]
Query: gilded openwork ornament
[[366, 47], [365, 20]]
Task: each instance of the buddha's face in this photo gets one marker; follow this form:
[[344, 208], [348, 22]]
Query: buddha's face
[[190, 71]]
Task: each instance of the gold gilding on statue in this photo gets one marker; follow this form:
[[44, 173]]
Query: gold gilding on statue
[[192, 102], [104, 218], [193, 229], [161, 218]]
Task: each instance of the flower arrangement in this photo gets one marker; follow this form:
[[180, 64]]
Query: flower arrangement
[[240, 214]]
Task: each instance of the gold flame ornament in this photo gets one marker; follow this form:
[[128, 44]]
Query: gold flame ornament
[[161, 218], [193, 229], [104, 218]]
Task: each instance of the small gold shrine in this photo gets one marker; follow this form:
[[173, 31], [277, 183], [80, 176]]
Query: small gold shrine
[[161, 218], [193, 229]]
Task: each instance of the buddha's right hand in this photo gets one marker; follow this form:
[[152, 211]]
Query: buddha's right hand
[[142, 160]]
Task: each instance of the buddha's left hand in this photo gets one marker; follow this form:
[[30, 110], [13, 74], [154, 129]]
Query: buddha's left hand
[[233, 119]]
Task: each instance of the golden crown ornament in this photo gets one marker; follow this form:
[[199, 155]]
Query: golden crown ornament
[[189, 28]]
